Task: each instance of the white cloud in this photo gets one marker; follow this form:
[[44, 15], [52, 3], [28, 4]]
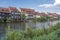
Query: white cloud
[[46, 5], [57, 2], [31, 8]]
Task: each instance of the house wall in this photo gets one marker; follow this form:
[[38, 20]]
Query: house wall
[[4, 15], [37, 16], [15, 16]]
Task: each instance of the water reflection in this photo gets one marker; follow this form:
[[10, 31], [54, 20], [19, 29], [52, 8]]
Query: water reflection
[[23, 26]]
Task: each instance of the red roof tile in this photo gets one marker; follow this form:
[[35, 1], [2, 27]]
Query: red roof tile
[[27, 10], [6, 10], [14, 9]]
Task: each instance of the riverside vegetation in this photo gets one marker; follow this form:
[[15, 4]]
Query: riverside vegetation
[[23, 18], [52, 33], [46, 18]]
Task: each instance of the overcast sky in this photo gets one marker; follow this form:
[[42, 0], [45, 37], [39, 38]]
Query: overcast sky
[[38, 5]]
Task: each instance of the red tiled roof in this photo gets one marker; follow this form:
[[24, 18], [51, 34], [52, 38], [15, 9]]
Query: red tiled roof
[[27, 10], [6, 10], [53, 14], [40, 14], [14, 9], [37, 13]]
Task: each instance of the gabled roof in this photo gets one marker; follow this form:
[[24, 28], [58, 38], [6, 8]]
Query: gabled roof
[[27, 10], [5, 10], [40, 14], [13, 9]]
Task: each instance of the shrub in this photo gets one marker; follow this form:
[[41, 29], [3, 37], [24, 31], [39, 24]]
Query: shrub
[[52, 33]]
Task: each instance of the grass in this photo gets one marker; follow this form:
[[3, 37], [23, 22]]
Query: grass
[[51, 36], [52, 33]]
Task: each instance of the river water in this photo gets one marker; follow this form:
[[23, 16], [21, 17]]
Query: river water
[[24, 25]]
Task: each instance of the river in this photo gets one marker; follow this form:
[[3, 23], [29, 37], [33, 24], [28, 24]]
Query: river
[[23, 25]]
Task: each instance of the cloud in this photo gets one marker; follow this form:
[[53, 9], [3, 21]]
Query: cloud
[[46, 5], [31, 8], [56, 3]]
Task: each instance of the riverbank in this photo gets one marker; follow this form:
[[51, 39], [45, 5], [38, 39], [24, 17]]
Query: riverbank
[[44, 19], [40, 19], [34, 34], [13, 21]]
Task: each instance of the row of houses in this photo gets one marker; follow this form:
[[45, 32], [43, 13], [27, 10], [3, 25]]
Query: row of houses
[[15, 14], [7, 13], [32, 13]]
